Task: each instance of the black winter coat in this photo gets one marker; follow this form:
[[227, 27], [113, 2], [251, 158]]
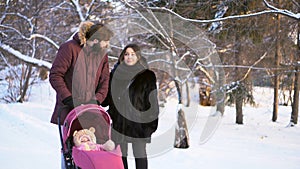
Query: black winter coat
[[133, 107]]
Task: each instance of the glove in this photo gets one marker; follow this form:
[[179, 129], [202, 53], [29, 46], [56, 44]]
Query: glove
[[69, 102]]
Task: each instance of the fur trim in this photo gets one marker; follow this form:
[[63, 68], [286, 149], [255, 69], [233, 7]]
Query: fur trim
[[84, 27]]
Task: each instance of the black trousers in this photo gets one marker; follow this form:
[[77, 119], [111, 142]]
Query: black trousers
[[139, 152]]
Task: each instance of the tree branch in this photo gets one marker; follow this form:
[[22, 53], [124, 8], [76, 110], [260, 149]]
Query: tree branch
[[25, 58], [274, 10], [261, 58], [45, 38], [78, 9]]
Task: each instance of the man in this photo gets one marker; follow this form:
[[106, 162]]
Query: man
[[80, 71]]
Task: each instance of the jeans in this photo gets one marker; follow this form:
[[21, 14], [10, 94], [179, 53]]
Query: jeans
[[139, 152]]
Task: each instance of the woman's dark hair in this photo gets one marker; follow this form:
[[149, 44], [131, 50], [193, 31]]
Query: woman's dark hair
[[136, 49], [100, 32]]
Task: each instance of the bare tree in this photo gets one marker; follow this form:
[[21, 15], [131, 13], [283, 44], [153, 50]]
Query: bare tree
[[31, 31], [40, 26]]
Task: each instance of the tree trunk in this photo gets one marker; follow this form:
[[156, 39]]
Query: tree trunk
[[188, 96], [276, 77], [275, 101], [24, 87], [238, 92], [239, 106], [181, 130], [220, 95], [295, 105]]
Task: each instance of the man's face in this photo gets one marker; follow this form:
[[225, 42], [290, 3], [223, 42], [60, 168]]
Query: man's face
[[98, 45], [104, 44]]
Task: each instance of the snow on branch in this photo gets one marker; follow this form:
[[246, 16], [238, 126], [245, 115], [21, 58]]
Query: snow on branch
[[283, 11], [44, 37], [273, 10], [25, 58], [83, 15], [78, 9]]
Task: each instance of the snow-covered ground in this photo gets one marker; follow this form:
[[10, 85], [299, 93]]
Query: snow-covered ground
[[29, 141]]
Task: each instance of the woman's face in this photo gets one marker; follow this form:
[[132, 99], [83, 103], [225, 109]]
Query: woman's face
[[130, 57]]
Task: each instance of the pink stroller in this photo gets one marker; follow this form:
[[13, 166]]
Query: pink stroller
[[84, 117]]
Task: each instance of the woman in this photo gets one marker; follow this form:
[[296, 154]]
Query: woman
[[133, 105]]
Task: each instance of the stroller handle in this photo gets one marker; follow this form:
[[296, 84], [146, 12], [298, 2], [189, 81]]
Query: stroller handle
[[59, 127]]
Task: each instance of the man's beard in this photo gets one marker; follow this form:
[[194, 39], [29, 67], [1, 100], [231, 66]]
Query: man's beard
[[100, 51], [96, 48]]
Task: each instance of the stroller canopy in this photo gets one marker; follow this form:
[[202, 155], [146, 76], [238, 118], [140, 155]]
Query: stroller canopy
[[84, 117]]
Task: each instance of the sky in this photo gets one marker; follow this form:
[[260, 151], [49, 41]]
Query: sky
[[30, 141]]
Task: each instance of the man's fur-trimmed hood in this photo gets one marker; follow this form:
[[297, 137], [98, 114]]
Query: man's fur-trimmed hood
[[84, 27]]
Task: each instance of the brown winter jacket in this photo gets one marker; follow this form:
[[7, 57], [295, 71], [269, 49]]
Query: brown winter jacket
[[61, 76]]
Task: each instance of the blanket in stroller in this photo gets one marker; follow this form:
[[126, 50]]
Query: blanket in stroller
[[99, 159]]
